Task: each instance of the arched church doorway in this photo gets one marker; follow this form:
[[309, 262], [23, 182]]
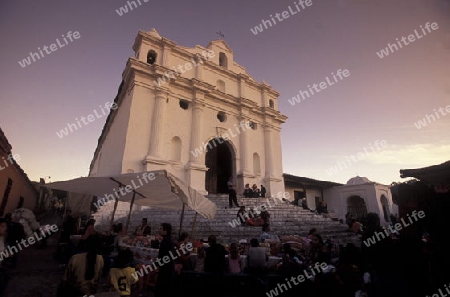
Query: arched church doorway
[[356, 206], [219, 160], [385, 206]]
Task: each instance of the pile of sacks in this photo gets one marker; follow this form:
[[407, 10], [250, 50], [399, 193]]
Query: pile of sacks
[[296, 242], [28, 220]]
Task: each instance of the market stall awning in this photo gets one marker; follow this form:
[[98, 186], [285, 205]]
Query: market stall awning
[[158, 189], [436, 175]]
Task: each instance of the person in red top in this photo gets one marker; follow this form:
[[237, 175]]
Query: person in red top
[[183, 262]]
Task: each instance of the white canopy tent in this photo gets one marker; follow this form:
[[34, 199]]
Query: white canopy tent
[[158, 189]]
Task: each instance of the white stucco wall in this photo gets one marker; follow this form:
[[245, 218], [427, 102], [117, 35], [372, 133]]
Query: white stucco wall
[[311, 195], [128, 143], [109, 159], [336, 199]]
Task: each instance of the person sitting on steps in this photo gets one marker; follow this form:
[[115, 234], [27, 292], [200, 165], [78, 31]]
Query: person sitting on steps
[[248, 193], [256, 191]]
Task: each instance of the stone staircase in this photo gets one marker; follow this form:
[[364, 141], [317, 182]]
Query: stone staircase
[[285, 219]]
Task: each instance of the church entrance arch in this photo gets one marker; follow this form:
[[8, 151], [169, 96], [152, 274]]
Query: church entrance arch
[[219, 159], [356, 206]]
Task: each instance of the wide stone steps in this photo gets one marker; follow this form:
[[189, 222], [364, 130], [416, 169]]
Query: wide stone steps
[[285, 219]]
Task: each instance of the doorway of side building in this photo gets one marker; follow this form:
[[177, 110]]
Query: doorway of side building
[[356, 206], [385, 206], [298, 195], [220, 161]]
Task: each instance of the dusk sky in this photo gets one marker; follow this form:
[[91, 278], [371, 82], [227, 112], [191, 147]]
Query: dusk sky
[[381, 99]]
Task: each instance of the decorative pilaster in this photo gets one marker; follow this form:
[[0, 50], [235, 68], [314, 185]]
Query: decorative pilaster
[[196, 127], [268, 151], [242, 78], [157, 133], [166, 56], [243, 140], [196, 168], [199, 71]]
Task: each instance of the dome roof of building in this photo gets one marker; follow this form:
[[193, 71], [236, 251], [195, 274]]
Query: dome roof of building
[[358, 180]]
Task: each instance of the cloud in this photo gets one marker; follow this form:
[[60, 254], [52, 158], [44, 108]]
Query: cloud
[[412, 155]]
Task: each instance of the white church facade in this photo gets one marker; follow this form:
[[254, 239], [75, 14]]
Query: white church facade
[[196, 113], [199, 115]]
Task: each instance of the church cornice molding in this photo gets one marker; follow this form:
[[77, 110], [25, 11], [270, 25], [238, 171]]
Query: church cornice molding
[[140, 73], [272, 179], [153, 72], [147, 38], [274, 115], [196, 166], [153, 160], [264, 87], [184, 52], [201, 86]]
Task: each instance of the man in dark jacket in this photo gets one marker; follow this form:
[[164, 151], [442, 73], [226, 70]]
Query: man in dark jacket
[[164, 284], [263, 191], [15, 234], [215, 256]]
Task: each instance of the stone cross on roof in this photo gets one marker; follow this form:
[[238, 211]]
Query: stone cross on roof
[[221, 35]]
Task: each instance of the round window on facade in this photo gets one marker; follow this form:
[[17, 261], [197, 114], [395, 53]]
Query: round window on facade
[[184, 104], [221, 116]]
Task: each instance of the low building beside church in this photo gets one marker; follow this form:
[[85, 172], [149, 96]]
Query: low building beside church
[[298, 187], [360, 196]]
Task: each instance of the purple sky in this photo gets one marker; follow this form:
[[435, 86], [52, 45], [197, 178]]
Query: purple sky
[[380, 100]]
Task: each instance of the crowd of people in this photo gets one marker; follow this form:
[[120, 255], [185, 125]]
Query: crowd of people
[[254, 192], [15, 229], [100, 262]]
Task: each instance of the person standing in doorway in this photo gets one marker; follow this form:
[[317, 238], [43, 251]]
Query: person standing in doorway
[[232, 193]]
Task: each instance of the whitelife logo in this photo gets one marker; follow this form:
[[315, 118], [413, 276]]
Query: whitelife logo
[[53, 47], [398, 226], [429, 117], [11, 250], [355, 158], [282, 287], [124, 9], [441, 294], [165, 260], [209, 145], [90, 118], [411, 38], [11, 159], [173, 74], [255, 212], [281, 16], [323, 85], [125, 190]]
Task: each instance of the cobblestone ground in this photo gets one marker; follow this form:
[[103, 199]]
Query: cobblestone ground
[[36, 273]]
